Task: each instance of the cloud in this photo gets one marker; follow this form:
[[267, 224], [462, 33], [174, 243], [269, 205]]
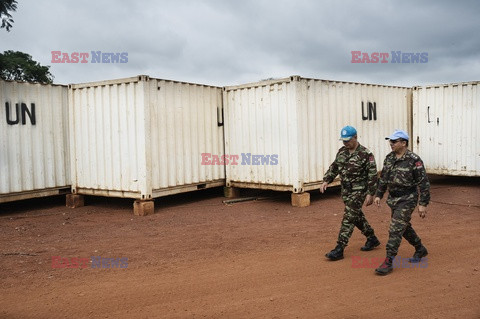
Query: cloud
[[230, 42]]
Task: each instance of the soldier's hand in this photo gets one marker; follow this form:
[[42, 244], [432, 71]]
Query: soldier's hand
[[369, 200], [377, 201], [422, 210], [323, 187]]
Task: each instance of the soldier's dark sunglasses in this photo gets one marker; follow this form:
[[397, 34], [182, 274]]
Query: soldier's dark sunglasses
[[395, 141]]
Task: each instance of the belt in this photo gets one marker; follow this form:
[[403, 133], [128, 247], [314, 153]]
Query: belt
[[349, 186], [403, 192]]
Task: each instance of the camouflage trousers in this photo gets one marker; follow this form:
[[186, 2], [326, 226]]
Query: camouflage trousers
[[353, 217], [402, 209]]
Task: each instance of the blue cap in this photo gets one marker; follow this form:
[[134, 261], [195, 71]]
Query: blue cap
[[347, 133], [398, 134]]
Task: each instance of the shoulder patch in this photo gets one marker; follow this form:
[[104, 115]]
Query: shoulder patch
[[418, 164], [371, 158], [414, 156]]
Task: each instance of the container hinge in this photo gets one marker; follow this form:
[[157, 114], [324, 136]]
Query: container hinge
[[219, 116]]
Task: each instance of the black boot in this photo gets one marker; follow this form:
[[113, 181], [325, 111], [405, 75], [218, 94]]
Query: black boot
[[371, 243], [335, 254], [386, 267], [420, 252]]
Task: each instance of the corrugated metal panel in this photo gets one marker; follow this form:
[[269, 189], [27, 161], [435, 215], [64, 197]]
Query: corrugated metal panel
[[184, 125], [329, 105], [299, 120], [143, 137], [107, 124], [34, 160], [446, 131], [260, 119]]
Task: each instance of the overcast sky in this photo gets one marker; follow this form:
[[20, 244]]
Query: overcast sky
[[224, 42]]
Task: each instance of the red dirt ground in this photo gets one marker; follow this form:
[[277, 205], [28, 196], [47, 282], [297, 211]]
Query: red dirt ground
[[198, 258]]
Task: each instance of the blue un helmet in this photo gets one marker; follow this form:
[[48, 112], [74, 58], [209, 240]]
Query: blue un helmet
[[398, 134], [347, 133]]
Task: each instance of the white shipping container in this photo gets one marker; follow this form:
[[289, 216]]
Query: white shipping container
[[446, 133], [143, 138], [34, 159], [298, 121]]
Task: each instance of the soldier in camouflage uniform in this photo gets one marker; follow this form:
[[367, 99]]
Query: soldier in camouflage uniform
[[404, 175], [358, 174]]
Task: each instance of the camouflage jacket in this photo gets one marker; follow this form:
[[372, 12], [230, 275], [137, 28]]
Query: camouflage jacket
[[404, 175], [358, 171]]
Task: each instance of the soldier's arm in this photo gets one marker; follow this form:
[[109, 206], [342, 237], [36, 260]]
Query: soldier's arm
[[332, 171], [372, 175], [421, 179], [382, 183]]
